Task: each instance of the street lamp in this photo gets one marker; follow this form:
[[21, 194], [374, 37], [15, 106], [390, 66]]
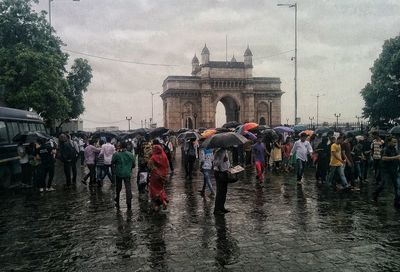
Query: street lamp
[[295, 56], [318, 96], [337, 119], [50, 9], [311, 120], [270, 112], [129, 122], [152, 105]]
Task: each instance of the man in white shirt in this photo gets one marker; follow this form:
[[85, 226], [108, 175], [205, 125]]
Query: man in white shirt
[[301, 148], [108, 151]]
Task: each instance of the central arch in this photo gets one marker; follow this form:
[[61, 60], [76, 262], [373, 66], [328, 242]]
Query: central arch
[[232, 109]]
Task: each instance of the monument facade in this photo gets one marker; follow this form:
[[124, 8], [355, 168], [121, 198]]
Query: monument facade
[[191, 101]]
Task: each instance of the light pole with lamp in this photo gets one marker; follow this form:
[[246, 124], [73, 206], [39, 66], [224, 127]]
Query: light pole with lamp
[[129, 122], [311, 120], [318, 96], [50, 9], [270, 112], [152, 107], [337, 119], [295, 56]]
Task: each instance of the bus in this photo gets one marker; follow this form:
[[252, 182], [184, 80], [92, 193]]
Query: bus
[[12, 122]]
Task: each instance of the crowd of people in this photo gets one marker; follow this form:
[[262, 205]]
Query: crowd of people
[[342, 161]]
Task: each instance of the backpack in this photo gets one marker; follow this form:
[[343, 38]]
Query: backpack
[[191, 151]]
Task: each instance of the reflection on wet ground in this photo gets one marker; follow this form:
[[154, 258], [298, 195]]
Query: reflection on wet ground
[[281, 227]]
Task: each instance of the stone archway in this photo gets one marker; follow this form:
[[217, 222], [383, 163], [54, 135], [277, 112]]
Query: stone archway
[[263, 113], [232, 108]]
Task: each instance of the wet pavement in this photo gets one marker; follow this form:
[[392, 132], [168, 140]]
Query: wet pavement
[[281, 227]]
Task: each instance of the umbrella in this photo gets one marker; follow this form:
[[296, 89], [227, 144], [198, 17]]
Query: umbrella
[[354, 132], [284, 129], [182, 130], [157, 132], [299, 128], [231, 124], [30, 137], [322, 130], [380, 132], [224, 140], [188, 135], [106, 134], [249, 126], [221, 130], [250, 136], [208, 133], [308, 132], [202, 129], [395, 130], [269, 133]]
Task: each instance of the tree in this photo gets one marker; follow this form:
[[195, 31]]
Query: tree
[[78, 80], [32, 65], [382, 94]]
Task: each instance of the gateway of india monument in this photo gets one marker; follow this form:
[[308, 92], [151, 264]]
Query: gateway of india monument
[[191, 101]]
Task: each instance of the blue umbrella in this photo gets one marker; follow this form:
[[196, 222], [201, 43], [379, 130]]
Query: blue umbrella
[[284, 129]]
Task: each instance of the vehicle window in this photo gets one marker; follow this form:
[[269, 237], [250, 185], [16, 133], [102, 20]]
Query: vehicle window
[[3, 133], [42, 128], [13, 129], [24, 126], [39, 127], [32, 127]]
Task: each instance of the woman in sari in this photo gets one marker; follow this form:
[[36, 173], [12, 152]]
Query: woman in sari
[[158, 165]]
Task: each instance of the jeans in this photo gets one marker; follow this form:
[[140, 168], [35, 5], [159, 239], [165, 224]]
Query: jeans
[[300, 168], [377, 170], [221, 179], [128, 189], [189, 165], [68, 167], [44, 170], [207, 180], [91, 174], [107, 173], [340, 171], [357, 170], [100, 172], [365, 168]]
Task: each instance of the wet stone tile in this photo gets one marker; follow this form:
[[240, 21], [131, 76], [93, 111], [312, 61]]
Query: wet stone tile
[[281, 227]]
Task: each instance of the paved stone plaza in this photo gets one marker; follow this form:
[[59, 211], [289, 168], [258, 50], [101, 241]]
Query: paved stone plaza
[[281, 227]]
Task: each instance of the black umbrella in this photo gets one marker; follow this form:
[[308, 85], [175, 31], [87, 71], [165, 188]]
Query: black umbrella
[[182, 130], [30, 137], [259, 129], [136, 132], [322, 130], [269, 133], [222, 130], [188, 135], [201, 130], [224, 140], [231, 124], [395, 130], [381, 133], [157, 132], [105, 134]]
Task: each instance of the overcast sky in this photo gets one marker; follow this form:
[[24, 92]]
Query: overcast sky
[[338, 42]]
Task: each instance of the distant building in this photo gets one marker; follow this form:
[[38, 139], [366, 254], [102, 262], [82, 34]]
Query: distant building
[[110, 128], [72, 126], [191, 101]]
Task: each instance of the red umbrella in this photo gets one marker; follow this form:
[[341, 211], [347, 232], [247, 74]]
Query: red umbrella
[[249, 126]]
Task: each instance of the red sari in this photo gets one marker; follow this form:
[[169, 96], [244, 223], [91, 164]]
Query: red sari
[[159, 170]]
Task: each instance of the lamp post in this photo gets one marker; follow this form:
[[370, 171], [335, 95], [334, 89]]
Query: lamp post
[[311, 120], [152, 106], [318, 96], [270, 112], [50, 9], [129, 122], [295, 56], [337, 119], [195, 120]]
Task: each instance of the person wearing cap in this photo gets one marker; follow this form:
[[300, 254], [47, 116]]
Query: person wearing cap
[[302, 149]]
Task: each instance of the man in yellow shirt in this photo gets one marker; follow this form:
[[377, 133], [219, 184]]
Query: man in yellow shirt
[[337, 163]]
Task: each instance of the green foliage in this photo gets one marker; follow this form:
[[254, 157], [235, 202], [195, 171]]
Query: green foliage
[[78, 80], [32, 65], [382, 95]]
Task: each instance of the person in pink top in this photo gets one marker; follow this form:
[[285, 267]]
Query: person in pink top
[[108, 151]]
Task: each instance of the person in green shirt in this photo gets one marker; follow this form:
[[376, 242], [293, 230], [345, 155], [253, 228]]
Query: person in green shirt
[[123, 162]]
